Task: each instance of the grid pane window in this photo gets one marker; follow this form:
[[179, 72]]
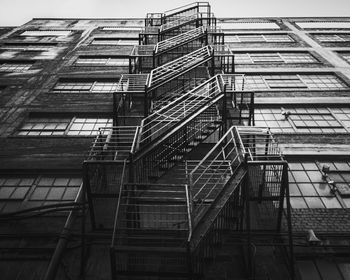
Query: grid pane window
[[308, 189], [44, 126], [278, 38], [88, 126], [128, 28], [285, 81], [257, 38], [53, 188], [307, 81], [346, 56], [63, 126], [76, 87], [265, 57], [72, 86], [303, 120], [248, 25], [251, 38], [104, 87], [113, 41], [280, 58], [243, 58], [298, 58], [15, 67], [15, 188], [340, 37], [103, 61], [46, 33], [30, 47], [322, 82]]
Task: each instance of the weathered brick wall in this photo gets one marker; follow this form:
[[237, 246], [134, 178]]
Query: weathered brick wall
[[321, 220]]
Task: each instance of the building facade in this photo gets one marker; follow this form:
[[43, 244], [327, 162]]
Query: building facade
[[177, 146]]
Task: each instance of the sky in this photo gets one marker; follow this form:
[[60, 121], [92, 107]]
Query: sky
[[18, 12]]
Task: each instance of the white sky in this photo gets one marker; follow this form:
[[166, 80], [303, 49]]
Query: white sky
[[17, 12]]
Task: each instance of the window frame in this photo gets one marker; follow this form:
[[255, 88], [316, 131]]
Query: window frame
[[316, 187], [89, 85], [119, 41], [313, 81], [105, 64], [265, 38], [70, 192], [281, 121], [68, 131]]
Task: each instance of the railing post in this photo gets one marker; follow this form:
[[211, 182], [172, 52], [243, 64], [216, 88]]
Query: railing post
[[113, 263], [212, 68], [247, 221], [146, 102], [85, 188], [224, 110], [289, 221], [131, 168], [189, 261], [115, 111]]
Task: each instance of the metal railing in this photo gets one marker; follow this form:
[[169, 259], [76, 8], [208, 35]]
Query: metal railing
[[185, 85], [259, 144], [170, 115], [114, 143], [207, 179], [172, 14], [156, 158], [178, 67], [133, 83], [181, 39], [179, 22], [151, 230]]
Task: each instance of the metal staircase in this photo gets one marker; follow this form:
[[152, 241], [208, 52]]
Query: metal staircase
[[166, 230]]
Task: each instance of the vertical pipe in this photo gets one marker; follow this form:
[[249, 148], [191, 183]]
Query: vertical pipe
[[247, 210], [289, 222]]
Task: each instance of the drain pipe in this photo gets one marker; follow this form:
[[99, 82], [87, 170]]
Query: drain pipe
[[62, 243]]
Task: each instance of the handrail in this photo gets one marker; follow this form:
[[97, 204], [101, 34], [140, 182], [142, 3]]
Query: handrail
[[118, 204], [209, 153], [184, 6], [189, 202], [178, 66], [179, 22], [180, 39], [167, 114]]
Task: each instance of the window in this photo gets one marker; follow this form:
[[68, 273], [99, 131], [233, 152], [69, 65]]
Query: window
[[277, 57], [46, 33], [276, 82], [304, 120], [30, 46], [102, 61], [248, 25], [14, 188], [308, 189], [51, 188], [345, 55], [323, 268], [74, 126], [15, 67], [324, 25], [114, 41], [126, 28], [252, 38], [340, 37], [22, 191], [78, 87], [300, 81]]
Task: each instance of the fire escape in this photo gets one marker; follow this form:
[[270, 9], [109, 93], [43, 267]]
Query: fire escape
[[166, 196]]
